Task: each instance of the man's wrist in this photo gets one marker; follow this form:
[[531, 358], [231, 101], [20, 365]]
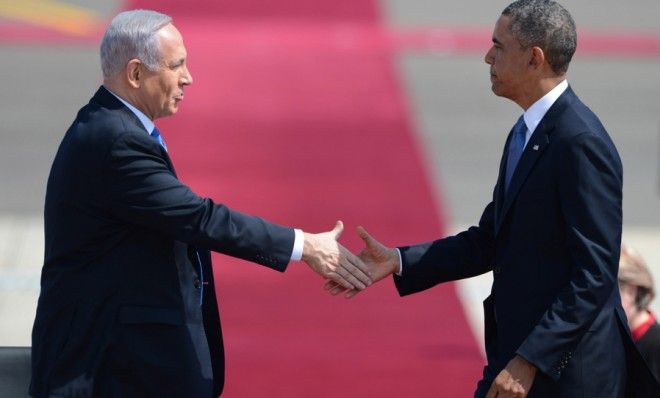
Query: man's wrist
[[298, 245], [308, 246], [397, 263]]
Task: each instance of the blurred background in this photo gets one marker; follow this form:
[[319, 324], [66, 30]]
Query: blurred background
[[378, 113]]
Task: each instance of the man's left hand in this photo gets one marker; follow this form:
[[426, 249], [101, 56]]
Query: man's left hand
[[514, 381]]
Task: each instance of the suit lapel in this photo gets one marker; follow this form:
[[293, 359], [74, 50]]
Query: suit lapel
[[499, 186], [105, 98], [533, 151], [537, 144]]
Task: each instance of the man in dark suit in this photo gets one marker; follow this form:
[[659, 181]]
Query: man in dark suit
[[551, 234], [127, 305]]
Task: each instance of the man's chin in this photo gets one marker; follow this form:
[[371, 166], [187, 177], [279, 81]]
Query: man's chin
[[496, 90], [171, 111]]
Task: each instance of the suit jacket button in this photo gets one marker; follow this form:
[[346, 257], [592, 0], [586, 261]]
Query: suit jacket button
[[197, 283], [497, 270]]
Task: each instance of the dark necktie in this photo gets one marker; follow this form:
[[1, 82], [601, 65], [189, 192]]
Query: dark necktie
[[155, 133], [515, 150]]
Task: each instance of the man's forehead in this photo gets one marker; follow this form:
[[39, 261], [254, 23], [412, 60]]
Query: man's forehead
[[169, 32], [501, 31], [171, 41]]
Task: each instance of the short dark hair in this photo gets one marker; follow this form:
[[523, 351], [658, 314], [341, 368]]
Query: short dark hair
[[545, 24]]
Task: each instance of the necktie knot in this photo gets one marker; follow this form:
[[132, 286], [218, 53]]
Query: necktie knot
[[155, 133]]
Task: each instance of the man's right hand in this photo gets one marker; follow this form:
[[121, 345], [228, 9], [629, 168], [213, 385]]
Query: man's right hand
[[327, 257], [380, 260]]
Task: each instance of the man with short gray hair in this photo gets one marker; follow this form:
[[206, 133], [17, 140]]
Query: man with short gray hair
[[127, 305]]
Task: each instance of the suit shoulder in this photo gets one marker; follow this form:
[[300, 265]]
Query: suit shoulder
[[96, 129], [98, 124], [84, 149], [577, 118], [577, 124]]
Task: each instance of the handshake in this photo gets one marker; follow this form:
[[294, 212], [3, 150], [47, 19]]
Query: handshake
[[345, 271]]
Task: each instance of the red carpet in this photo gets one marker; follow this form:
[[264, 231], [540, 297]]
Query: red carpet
[[295, 116]]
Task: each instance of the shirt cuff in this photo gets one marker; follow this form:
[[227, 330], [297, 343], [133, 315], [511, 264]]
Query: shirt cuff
[[297, 252], [400, 262]]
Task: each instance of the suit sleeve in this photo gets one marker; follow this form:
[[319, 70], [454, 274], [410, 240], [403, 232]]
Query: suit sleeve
[[140, 189], [467, 254], [590, 196]]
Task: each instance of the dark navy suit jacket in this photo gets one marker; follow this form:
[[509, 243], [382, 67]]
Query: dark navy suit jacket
[[553, 242], [110, 317]]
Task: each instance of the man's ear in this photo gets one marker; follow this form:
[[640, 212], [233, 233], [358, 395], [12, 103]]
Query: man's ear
[[133, 72], [538, 57]]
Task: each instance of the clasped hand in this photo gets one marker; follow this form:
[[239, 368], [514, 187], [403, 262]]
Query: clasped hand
[[327, 257], [379, 262], [345, 271]]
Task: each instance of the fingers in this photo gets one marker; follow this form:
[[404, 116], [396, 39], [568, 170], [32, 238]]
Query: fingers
[[344, 282], [363, 234], [334, 289], [339, 289], [355, 266], [368, 239], [338, 229], [492, 392], [352, 274], [506, 389]]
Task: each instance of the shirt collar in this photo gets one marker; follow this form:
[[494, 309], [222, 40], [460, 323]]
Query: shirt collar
[[535, 113], [641, 330], [146, 122]]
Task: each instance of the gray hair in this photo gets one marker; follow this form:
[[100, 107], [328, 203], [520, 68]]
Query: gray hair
[[545, 24], [132, 34]]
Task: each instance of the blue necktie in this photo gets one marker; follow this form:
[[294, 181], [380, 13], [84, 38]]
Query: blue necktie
[[155, 133], [516, 147]]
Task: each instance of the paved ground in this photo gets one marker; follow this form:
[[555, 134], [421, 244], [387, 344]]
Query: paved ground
[[461, 126]]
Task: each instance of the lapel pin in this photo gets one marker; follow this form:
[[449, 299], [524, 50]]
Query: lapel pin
[[535, 147]]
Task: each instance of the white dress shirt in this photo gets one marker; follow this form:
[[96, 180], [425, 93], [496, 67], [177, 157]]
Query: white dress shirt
[[534, 114]]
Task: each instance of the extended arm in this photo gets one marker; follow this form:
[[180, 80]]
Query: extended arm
[[425, 265], [142, 190]]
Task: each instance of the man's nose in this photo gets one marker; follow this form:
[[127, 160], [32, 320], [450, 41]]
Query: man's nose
[[187, 78], [488, 58]]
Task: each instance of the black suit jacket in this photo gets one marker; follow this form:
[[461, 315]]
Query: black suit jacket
[[110, 318], [553, 243]]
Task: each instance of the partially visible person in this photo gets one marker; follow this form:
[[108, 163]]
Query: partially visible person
[[637, 292]]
